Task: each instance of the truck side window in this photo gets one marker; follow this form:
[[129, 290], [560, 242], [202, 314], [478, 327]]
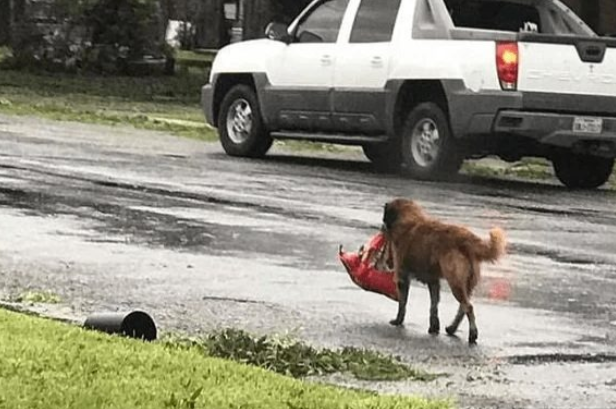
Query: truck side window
[[323, 23], [375, 21]]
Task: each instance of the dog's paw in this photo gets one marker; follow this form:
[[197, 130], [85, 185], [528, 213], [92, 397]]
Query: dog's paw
[[397, 322], [472, 337], [451, 331], [435, 326]]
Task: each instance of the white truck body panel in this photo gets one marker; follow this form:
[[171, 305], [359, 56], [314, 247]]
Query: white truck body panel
[[557, 68]]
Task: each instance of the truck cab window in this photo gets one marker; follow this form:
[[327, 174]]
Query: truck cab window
[[375, 21], [323, 23]]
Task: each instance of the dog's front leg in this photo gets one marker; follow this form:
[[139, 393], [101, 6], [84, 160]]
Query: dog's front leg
[[403, 284], [435, 297]]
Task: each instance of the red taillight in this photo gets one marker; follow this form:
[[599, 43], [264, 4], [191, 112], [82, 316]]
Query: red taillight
[[507, 62]]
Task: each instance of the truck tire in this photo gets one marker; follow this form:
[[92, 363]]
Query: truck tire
[[240, 125], [385, 157], [582, 171], [428, 148]]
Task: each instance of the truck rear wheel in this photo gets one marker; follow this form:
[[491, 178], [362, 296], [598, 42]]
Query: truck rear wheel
[[582, 171], [240, 125], [428, 148]]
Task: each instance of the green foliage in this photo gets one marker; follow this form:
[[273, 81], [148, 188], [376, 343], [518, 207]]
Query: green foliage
[[128, 27], [289, 357], [107, 36], [48, 365]]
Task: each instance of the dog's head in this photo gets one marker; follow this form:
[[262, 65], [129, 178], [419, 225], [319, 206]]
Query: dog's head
[[400, 210]]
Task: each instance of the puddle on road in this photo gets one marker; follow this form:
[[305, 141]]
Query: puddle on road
[[540, 359], [116, 223]]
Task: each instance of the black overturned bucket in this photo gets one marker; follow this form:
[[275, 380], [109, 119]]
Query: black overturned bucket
[[135, 324]]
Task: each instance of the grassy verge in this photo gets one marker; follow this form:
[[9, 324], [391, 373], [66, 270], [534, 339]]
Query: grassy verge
[[531, 169], [52, 365], [526, 169], [35, 297], [170, 104]]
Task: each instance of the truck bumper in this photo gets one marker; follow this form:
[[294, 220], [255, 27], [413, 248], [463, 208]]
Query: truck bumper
[[207, 103], [547, 119], [558, 130]]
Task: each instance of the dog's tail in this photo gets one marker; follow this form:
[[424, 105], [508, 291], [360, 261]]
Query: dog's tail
[[493, 249]]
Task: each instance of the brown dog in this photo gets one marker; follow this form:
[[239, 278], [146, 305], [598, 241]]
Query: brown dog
[[429, 250]]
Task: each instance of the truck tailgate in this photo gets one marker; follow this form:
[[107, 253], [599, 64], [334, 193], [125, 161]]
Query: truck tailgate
[[567, 65]]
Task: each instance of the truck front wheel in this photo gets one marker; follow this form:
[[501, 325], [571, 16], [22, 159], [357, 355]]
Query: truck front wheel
[[582, 171], [428, 148], [240, 125]]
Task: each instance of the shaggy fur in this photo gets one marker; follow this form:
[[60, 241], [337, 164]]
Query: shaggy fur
[[429, 250]]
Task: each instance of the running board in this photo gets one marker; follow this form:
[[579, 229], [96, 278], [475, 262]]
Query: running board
[[331, 138]]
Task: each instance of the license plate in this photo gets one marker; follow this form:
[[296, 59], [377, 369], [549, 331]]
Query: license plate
[[587, 125]]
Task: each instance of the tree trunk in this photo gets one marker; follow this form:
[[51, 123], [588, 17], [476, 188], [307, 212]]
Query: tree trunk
[[256, 14], [591, 14], [5, 22], [212, 31]]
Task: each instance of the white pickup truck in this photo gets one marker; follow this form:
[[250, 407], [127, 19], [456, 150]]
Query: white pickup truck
[[422, 85]]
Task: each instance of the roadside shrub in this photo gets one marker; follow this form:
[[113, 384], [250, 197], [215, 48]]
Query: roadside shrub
[[105, 36]]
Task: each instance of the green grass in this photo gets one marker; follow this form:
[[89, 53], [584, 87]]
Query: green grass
[[36, 297], [5, 52], [50, 365], [170, 104], [293, 358], [187, 55], [527, 169], [530, 169]]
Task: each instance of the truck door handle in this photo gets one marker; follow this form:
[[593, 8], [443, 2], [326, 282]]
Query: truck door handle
[[376, 61], [326, 59]]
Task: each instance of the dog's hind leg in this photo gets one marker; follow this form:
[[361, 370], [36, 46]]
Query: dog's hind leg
[[473, 333], [453, 327], [435, 297], [457, 270], [466, 308]]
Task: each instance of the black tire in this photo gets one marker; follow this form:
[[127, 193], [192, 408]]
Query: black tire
[[582, 171], [236, 140], [420, 159], [385, 157]]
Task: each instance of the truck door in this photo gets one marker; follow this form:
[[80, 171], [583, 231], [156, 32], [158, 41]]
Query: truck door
[[362, 66]]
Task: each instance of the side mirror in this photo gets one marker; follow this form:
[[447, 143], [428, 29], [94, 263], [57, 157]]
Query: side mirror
[[278, 32]]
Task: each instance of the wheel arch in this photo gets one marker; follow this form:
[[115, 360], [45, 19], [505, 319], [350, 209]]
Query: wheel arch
[[223, 84], [409, 93]]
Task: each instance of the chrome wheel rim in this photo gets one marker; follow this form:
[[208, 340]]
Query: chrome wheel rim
[[425, 142], [239, 121]]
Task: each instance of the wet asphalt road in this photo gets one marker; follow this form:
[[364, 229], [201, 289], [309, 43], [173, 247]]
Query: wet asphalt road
[[114, 219]]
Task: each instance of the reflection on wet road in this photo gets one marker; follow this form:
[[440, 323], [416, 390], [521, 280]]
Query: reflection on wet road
[[113, 218]]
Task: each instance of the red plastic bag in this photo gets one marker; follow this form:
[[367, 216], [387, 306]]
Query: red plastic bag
[[368, 267]]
